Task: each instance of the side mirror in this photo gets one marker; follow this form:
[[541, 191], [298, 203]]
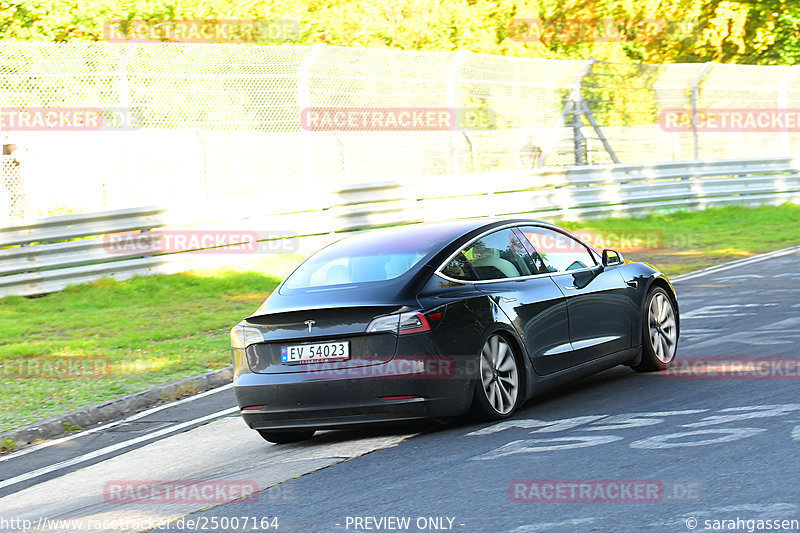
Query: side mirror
[[611, 258]]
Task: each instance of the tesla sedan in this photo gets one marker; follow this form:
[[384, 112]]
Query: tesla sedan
[[442, 320]]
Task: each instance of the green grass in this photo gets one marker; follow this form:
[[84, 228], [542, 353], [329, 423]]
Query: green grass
[[152, 330], [144, 332], [689, 241]]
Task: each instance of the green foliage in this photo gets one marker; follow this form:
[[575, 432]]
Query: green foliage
[[752, 31]]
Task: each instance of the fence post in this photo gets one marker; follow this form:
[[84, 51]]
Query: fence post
[[695, 96], [452, 104], [783, 104], [123, 86], [582, 72], [473, 154], [124, 91], [345, 161], [304, 102]]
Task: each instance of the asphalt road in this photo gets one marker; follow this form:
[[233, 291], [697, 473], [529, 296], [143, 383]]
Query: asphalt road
[[618, 451]]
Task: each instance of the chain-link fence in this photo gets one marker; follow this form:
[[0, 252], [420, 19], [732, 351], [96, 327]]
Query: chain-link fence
[[13, 199], [222, 123]]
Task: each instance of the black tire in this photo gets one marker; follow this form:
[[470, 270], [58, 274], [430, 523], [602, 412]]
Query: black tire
[[498, 385], [285, 436], [659, 332]]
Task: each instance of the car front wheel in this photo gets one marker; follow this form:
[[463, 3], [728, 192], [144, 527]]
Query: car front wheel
[[660, 332]]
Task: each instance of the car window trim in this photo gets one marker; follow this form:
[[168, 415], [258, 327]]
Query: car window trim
[[438, 271]]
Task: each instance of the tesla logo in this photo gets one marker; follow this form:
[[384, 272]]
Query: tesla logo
[[310, 324]]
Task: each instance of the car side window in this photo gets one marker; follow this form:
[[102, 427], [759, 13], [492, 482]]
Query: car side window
[[558, 252], [459, 268], [498, 255]]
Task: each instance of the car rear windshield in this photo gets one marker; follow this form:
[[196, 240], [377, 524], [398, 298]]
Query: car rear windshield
[[375, 256]]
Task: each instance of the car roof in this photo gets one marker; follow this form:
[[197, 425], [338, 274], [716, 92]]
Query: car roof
[[460, 227]]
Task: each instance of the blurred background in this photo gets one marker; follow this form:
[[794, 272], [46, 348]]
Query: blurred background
[[220, 123], [562, 107]]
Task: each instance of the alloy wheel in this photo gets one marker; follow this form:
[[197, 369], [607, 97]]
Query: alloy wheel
[[499, 375], [663, 330]]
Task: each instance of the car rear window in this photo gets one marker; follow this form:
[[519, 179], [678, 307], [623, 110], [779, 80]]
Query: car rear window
[[375, 256]]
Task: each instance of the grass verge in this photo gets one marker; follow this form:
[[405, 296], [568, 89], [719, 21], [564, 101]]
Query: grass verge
[[99, 341], [124, 337], [685, 241]]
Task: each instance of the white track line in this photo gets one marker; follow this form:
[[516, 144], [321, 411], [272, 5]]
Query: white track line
[[113, 448], [737, 263], [137, 416]]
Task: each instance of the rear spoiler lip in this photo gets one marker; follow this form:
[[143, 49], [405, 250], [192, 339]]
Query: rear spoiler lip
[[398, 307]]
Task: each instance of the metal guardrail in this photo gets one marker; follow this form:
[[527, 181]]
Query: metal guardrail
[[30, 263], [46, 255], [573, 192]]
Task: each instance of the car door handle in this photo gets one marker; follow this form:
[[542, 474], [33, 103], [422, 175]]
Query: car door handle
[[570, 287], [507, 299]]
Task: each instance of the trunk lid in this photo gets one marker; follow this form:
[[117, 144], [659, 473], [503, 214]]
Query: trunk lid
[[281, 329]]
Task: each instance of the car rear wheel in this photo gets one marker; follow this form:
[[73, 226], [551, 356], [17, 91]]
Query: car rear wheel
[[497, 390], [285, 437], [660, 332]]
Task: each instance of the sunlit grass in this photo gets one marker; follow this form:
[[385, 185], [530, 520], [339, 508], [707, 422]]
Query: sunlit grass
[[150, 330], [693, 240]]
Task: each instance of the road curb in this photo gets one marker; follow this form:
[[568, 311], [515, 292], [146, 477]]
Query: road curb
[[117, 408]]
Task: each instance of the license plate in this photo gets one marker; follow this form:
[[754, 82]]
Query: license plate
[[315, 353]]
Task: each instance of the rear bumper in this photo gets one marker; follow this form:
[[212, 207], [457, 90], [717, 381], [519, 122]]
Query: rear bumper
[[304, 400]]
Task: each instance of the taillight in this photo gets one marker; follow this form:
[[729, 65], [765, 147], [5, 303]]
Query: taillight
[[389, 323], [413, 323], [243, 336], [401, 324]]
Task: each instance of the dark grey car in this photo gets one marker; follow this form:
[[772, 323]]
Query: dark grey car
[[437, 320]]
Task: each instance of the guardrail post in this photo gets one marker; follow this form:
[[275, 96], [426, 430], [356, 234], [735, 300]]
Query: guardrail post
[[695, 96]]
